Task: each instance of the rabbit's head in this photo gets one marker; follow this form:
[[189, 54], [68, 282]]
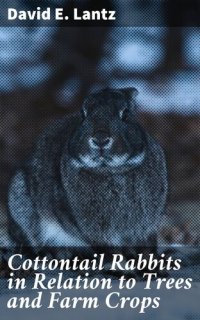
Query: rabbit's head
[[109, 135]]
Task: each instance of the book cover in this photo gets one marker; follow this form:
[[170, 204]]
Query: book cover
[[99, 161]]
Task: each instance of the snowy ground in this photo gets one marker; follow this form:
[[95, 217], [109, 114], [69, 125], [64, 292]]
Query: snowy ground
[[174, 305]]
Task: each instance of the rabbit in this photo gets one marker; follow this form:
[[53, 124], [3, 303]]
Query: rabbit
[[95, 178]]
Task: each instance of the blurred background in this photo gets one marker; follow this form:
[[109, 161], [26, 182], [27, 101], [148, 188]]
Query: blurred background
[[45, 72]]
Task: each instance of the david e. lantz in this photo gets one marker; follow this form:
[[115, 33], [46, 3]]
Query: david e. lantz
[[39, 14]]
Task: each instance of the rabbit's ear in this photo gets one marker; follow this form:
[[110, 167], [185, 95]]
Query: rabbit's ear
[[130, 94]]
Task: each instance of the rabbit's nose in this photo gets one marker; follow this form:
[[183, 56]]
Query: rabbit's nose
[[100, 140]]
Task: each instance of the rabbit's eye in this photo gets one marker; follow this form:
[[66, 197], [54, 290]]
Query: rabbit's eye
[[123, 114]]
